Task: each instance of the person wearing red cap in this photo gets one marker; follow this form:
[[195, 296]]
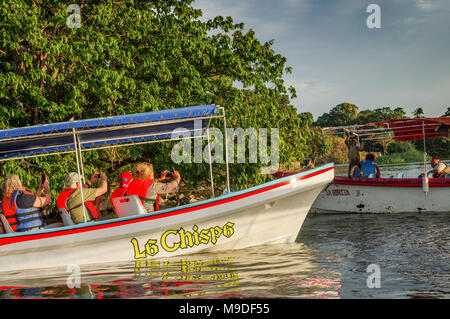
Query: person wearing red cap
[[124, 180]]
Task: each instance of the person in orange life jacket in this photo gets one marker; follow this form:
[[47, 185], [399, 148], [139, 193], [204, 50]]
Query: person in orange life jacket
[[124, 180], [21, 206], [70, 197], [369, 167], [145, 186]]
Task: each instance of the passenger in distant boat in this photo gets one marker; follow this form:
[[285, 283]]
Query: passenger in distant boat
[[125, 179], [439, 169], [21, 206], [145, 186], [354, 147], [71, 200], [369, 167]]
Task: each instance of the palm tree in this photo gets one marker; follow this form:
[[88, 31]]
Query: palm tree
[[418, 112]]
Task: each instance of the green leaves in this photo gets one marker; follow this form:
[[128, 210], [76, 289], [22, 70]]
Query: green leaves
[[137, 56], [349, 114]]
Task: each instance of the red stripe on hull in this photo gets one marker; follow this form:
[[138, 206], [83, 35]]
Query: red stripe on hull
[[391, 182]]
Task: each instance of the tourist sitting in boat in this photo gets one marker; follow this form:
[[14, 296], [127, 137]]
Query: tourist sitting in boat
[[21, 206], [439, 169], [145, 186], [369, 167], [70, 198], [124, 180]]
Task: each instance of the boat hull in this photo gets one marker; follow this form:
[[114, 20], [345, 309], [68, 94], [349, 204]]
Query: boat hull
[[384, 195], [270, 213]]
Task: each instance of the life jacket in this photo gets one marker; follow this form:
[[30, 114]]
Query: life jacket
[[21, 219], [125, 179], [445, 171], [368, 167], [61, 202], [139, 187], [118, 192]]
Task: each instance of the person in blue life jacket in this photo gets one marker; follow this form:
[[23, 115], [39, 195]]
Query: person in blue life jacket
[[369, 167], [21, 206]]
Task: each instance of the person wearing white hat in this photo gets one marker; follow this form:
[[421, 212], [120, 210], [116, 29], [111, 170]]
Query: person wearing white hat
[[70, 197]]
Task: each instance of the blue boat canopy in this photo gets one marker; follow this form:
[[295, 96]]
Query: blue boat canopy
[[107, 131]]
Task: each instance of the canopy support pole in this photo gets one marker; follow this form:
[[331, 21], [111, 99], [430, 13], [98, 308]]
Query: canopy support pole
[[226, 150], [81, 160], [210, 163], [425, 186], [424, 148], [80, 184]]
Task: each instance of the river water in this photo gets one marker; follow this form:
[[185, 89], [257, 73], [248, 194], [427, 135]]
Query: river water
[[334, 256]]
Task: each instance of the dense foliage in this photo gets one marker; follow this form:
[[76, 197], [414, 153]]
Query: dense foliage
[[400, 147], [135, 56], [346, 114], [349, 114]]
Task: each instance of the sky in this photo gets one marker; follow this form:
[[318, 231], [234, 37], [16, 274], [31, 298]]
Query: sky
[[337, 58]]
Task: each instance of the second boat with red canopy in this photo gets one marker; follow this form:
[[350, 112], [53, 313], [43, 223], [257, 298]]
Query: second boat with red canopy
[[398, 194]]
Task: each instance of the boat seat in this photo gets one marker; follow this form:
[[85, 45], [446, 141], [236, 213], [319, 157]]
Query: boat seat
[[129, 205], [54, 225], [9, 230], [67, 220], [447, 176], [6, 225], [372, 175]]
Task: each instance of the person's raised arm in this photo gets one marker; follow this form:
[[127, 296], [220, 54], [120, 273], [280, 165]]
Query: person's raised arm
[[164, 188], [103, 185], [46, 199], [177, 177], [173, 185]]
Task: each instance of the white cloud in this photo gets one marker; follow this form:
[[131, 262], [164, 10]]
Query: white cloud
[[212, 9], [433, 5], [313, 95], [267, 19]]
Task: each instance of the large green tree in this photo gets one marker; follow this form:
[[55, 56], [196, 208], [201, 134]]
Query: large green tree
[[380, 114], [134, 56], [349, 114], [341, 115]]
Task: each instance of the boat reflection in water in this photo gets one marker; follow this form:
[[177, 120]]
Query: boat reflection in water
[[269, 271]]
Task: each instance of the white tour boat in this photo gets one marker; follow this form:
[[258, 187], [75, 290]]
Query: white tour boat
[[269, 213]]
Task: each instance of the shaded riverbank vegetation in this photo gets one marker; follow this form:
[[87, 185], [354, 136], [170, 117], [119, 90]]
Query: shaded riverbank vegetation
[[389, 151]]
